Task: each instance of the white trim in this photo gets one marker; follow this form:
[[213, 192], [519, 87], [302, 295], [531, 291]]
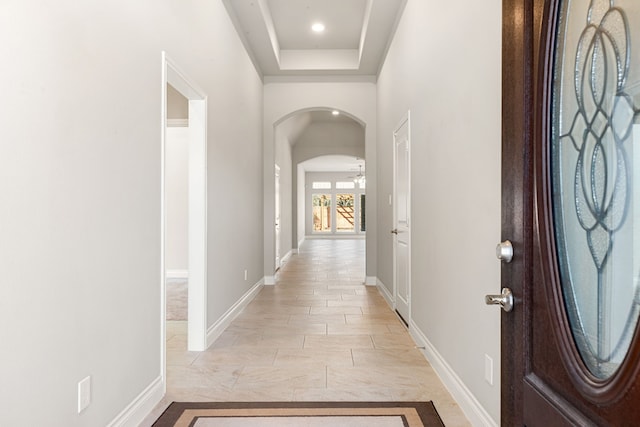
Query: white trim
[[371, 281], [269, 280], [141, 406], [385, 293], [178, 123], [473, 410], [301, 241], [225, 320], [285, 258], [177, 274], [197, 324], [319, 79]]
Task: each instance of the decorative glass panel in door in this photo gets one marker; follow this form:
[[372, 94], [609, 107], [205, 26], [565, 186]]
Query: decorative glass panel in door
[[345, 218], [321, 212], [595, 173]]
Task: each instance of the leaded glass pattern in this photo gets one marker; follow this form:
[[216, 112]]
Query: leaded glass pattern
[[595, 144]]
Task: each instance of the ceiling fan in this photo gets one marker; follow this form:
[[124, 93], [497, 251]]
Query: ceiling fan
[[359, 178]]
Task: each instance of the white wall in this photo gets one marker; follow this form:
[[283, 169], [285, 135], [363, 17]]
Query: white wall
[[444, 66], [177, 199], [281, 99], [283, 159], [80, 218]]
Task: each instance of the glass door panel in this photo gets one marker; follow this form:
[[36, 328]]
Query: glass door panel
[[594, 169], [321, 213], [345, 218]]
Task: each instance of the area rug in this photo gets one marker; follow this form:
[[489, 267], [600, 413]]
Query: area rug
[[308, 414]]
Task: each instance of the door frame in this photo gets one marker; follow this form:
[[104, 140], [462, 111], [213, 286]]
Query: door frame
[[405, 119], [517, 194], [197, 216], [278, 217]]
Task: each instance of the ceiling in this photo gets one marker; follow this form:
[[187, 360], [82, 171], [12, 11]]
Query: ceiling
[[278, 37]]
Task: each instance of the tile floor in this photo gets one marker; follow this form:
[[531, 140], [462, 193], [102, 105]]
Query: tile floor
[[319, 334]]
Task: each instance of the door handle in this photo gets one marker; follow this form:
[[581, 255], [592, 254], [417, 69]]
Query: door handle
[[504, 300], [394, 231]]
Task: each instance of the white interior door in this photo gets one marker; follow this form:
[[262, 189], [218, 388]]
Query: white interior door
[[277, 216], [401, 220]]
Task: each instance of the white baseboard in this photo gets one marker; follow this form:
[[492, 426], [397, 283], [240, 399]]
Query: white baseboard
[[269, 280], [385, 293], [141, 406], [225, 320], [285, 258], [371, 281], [473, 410], [178, 123], [177, 274]]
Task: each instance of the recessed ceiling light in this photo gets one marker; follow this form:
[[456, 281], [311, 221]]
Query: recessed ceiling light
[[318, 27], [335, 112]]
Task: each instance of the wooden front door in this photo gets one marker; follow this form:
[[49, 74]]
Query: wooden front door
[[571, 208]]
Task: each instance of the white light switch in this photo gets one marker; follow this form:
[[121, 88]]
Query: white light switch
[[84, 394]]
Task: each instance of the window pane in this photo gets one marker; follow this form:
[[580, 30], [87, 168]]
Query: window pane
[[345, 185], [321, 185], [321, 212], [344, 213]]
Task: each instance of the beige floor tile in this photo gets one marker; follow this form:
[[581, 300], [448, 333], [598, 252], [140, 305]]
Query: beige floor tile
[[299, 329], [394, 357], [319, 334], [317, 318], [393, 341], [260, 394], [231, 356], [387, 318], [258, 377], [336, 310], [343, 395], [181, 357], [222, 378], [361, 329], [371, 376], [334, 342], [313, 356]]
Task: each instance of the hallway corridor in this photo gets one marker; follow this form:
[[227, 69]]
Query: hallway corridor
[[319, 334]]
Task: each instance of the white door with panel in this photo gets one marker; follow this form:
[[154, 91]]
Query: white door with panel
[[401, 220]]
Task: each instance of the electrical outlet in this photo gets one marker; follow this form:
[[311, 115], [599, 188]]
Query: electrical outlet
[[84, 393], [488, 369], [246, 275]]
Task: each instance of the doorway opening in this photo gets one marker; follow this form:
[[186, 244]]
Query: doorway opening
[[195, 137]]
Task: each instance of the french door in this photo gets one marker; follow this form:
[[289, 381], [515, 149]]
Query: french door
[[571, 209]]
